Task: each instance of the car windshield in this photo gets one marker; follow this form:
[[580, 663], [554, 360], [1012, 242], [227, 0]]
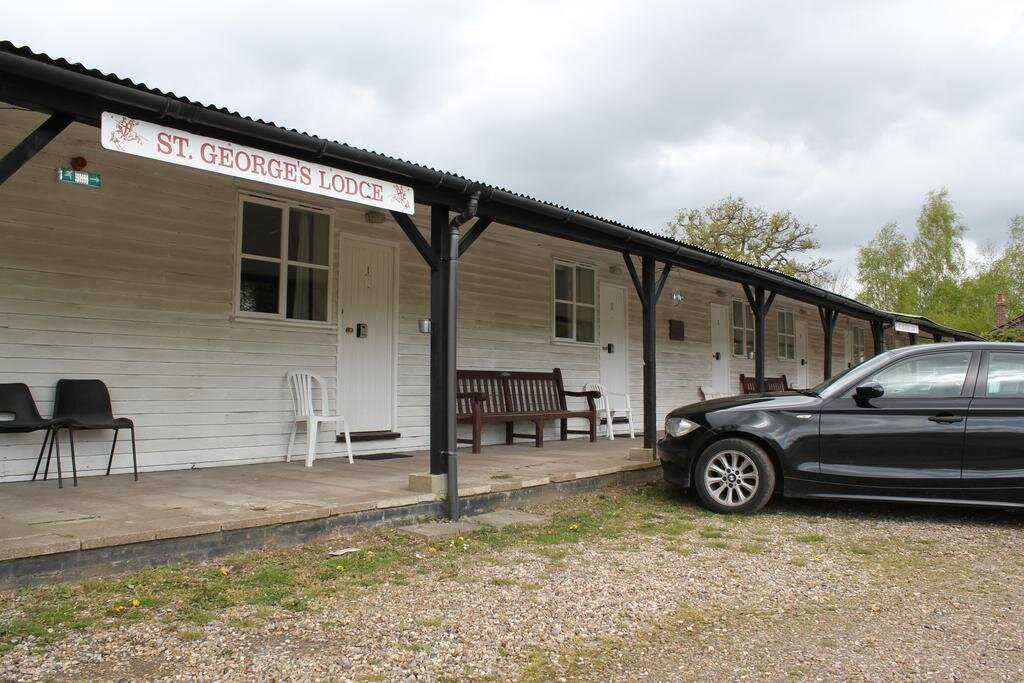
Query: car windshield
[[830, 386]]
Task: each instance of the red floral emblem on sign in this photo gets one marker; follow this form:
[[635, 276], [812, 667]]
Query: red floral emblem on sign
[[401, 196], [125, 131]]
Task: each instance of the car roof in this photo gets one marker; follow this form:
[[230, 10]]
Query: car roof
[[965, 346]]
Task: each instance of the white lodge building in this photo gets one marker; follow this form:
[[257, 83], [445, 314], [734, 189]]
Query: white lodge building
[[191, 286]]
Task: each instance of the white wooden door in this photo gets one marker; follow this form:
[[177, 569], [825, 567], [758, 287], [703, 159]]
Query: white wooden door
[[801, 354], [367, 335], [614, 349], [720, 353]]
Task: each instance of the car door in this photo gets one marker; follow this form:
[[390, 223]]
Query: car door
[[994, 450], [911, 437]]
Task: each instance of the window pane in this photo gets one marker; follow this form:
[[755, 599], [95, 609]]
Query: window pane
[[309, 237], [939, 375], [585, 323], [1006, 374], [782, 348], [307, 293], [737, 341], [750, 344], [563, 282], [563, 321], [261, 230], [584, 285], [258, 292]]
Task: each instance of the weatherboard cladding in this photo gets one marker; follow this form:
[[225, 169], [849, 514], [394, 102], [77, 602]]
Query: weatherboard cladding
[[10, 48], [134, 285]]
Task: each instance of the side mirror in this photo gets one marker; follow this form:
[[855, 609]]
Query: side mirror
[[868, 391]]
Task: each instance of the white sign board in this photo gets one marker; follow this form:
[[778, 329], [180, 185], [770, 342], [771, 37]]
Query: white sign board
[[153, 141], [910, 328]]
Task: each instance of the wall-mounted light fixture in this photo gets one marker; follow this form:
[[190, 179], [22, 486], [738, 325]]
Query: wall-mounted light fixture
[[424, 324], [375, 217], [719, 292], [677, 298], [615, 269]]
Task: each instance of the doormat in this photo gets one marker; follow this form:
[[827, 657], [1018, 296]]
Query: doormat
[[381, 456]]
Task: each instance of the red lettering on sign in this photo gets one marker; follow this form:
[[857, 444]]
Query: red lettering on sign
[[305, 175], [378, 192], [224, 156], [258, 164], [163, 142], [182, 145], [207, 153], [274, 168]]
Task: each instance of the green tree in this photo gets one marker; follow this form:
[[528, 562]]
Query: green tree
[[733, 228], [929, 274], [882, 266]]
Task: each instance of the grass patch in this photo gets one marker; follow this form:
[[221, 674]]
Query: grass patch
[[752, 548], [713, 532], [809, 538], [503, 581], [191, 635], [720, 545]]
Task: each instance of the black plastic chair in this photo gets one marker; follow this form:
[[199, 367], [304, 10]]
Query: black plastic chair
[[82, 404], [19, 415]]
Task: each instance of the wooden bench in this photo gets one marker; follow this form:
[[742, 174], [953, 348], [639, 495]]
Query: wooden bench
[[502, 396], [749, 384]]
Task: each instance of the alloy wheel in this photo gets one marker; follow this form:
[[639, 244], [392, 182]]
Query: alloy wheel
[[731, 478]]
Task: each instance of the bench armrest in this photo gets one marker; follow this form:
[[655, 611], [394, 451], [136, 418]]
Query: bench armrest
[[583, 394], [591, 397], [475, 396]]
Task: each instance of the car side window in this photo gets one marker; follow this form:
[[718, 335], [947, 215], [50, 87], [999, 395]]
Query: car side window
[[935, 375], [1005, 375]]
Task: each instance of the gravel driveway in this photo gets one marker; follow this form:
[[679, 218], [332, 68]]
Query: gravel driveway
[[623, 585]]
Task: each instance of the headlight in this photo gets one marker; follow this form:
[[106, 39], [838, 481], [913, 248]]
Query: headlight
[[679, 426]]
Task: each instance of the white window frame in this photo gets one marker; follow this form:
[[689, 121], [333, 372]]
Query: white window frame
[[555, 301], [283, 262], [748, 341], [789, 336], [860, 348]]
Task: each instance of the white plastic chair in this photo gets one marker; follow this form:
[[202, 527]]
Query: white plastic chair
[[710, 393], [301, 382], [612, 404]]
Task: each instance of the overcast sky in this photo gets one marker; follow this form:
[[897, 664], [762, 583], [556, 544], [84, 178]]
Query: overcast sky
[[845, 113]]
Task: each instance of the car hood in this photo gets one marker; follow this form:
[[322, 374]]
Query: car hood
[[782, 400]]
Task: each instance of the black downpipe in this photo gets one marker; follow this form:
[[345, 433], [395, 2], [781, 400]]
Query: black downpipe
[[759, 306], [878, 336], [650, 300], [828, 326], [451, 352]]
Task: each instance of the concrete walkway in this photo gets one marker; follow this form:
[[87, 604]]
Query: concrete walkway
[[37, 518]]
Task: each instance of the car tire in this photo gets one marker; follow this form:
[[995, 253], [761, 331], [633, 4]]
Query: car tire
[[734, 475]]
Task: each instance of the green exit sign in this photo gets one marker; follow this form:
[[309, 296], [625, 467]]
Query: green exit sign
[[69, 175]]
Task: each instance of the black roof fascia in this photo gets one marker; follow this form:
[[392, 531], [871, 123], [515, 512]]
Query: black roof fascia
[[39, 83]]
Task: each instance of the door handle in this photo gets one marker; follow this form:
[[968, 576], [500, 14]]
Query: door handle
[[803, 361], [718, 355], [945, 419], [610, 348]]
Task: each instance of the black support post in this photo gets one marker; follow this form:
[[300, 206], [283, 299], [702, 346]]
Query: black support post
[[760, 305], [442, 255], [878, 335], [36, 140], [913, 338], [829, 316], [649, 290], [440, 294], [937, 338]]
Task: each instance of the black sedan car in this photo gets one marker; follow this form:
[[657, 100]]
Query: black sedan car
[[937, 423]]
